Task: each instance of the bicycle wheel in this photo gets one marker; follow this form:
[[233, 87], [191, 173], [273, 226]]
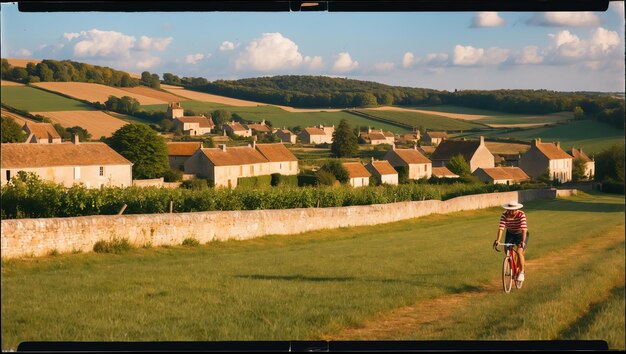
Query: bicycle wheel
[[507, 275], [518, 284]]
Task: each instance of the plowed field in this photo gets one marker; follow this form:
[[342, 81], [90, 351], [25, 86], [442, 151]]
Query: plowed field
[[97, 123]]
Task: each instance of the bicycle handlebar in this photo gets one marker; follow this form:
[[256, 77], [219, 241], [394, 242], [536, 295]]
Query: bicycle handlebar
[[502, 244]]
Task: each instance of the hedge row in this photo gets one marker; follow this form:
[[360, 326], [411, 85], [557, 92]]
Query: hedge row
[[32, 198]]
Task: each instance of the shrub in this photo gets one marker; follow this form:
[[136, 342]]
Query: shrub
[[254, 182], [191, 242], [306, 180], [195, 184], [284, 180], [324, 177], [172, 175], [335, 167], [115, 245], [54, 252]]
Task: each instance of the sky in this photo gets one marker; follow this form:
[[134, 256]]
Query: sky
[[562, 51]]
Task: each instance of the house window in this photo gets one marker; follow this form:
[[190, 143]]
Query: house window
[[101, 171], [8, 175], [76, 172], [251, 170]]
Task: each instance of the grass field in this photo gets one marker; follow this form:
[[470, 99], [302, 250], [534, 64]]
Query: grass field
[[591, 136], [500, 118], [34, 100], [428, 121], [318, 284], [95, 92]]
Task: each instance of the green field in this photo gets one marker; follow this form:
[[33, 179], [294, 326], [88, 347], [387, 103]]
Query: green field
[[501, 117], [34, 100], [317, 284], [428, 121], [280, 117], [590, 135]]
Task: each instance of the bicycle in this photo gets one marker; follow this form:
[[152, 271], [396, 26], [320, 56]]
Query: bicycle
[[510, 268]]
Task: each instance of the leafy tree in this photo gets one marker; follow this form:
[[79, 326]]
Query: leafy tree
[[579, 113], [335, 167], [345, 143], [578, 169], [19, 74], [65, 135], [208, 143], [610, 164], [166, 124], [545, 177], [11, 131], [220, 117], [325, 178], [458, 165], [143, 147], [82, 133]]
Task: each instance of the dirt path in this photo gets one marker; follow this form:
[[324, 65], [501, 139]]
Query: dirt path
[[406, 319]]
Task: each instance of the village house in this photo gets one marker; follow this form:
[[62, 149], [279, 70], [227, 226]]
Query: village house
[[235, 128], [590, 164], [315, 135], [474, 152], [542, 157], [410, 138], [41, 133], [377, 137], [174, 110], [383, 171], [419, 166], [427, 150], [501, 175], [194, 125], [434, 138], [279, 158], [92, 164], [179, 152], [443, 172], [286, 136], [259, 128], [358, 174]]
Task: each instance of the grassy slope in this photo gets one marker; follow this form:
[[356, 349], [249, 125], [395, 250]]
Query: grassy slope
[[496, 117], [299, 287], [430, 122], [34, 100]]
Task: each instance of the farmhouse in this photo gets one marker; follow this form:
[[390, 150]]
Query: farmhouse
[[174, 110], [358, 174], [194, 125], [179, 152], [474, 152], [434, 138], [419, 166], [286, 136], [234, 128], [93, 164], [41, 133], [372, 138], [590, 164], [427, 150], [259, 128], [279, 158], [315, 135], [443, 172], [542, 157], [383, 171], [501, 175], [413, 137]]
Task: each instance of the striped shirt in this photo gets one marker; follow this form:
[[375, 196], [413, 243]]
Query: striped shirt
[[515, 224]]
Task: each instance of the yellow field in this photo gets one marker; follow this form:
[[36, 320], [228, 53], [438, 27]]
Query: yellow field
[[97, 123], [444, 114], [10, 83], [21, 63], [505, 148], [94, 92], [156, 94], [16, 117]]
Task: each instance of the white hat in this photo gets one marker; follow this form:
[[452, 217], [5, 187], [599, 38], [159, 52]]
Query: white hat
[[512, 205]]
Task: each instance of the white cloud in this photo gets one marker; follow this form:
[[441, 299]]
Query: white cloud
[[470, 56], [344, 63], [148, 62], [194, 58], [529, 55], [71, 35], [436, 58], [618, 7], [226, 45], [314, 63], [487, 19], [565, 19], [566, 45], [272, 51], [408, 59], [384, 66], [23, 53], [146, 43]]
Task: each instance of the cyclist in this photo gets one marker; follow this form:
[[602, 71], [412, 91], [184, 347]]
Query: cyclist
[[514, 220]]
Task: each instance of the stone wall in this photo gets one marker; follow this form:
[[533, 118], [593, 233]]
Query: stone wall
[[35, 237]]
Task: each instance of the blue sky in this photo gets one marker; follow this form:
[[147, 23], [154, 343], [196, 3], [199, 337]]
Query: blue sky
[[447, 50]]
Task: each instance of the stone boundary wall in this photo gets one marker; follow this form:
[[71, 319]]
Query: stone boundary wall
[[37, 237]]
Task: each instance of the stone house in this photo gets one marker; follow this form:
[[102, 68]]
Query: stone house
[[427, 150], [259, 128], [410, 138], [235, 128], [443, 172], [358, 174], [286, 136], [174, 110], [93, 164], [194, 125], [590, 164], [373, 138], [474, 152], [279, 158], [547, 156], [314, 135], [41, 133], [434, 138], [419, 166], [383, 171], [501, 175], [179, 152]]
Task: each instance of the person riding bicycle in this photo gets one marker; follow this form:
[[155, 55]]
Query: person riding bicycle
[[514, 220]]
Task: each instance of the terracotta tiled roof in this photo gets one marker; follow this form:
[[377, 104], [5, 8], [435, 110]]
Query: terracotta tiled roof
[[240, 155], [443, 172], [509, 173], [383, 167], [427, 149], [388, 134], [411, 156], [182, 148], [437, 134], [62, 154], [258, 127], [356, 169], [203, 122], [43, 130], [552, 152], [373, 136], [275, 152], [236, 127], [576, 153], [449, 148], [314, 131]]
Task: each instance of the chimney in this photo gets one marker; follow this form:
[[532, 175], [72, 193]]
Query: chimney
[[482, 140], [415, 147], [369, 129], [536, 142], [372, 159], [254, 142], [222, 147], [263, 122], [75, 139], [557, 144], [393, 146]]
